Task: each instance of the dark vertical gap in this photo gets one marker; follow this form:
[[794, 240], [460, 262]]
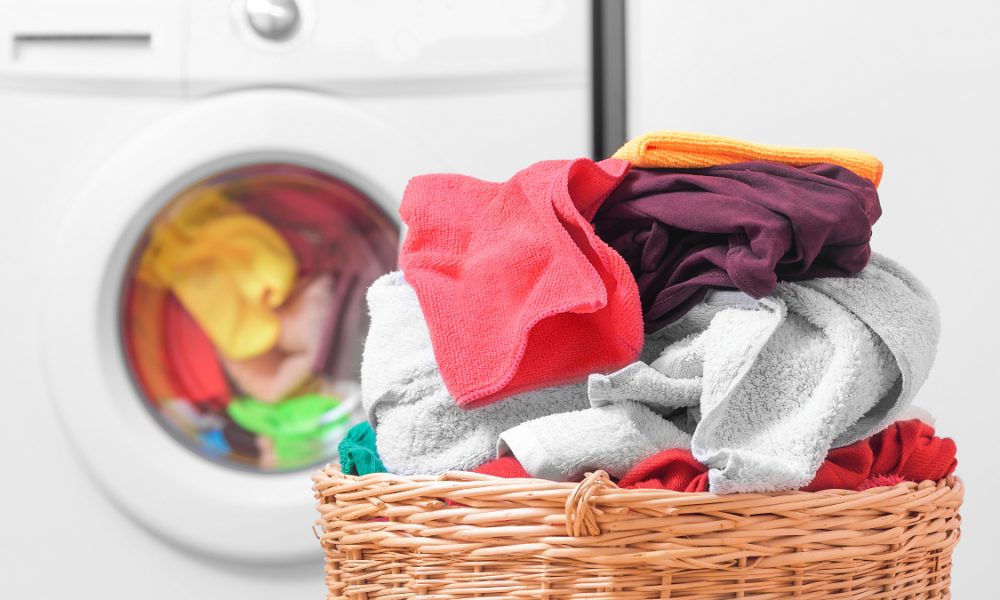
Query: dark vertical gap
[[608, 76]]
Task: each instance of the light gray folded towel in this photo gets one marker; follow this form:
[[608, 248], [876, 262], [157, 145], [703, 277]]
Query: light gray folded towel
[[773, 385], [420, 429]]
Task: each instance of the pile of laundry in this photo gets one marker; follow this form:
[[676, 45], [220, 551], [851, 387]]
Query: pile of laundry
[[245, 318], [695, 313]]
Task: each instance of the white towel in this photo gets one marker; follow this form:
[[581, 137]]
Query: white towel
[[634, 411], [564, 447], [902, 313], [819, 364], [780, 384], [420, 429]]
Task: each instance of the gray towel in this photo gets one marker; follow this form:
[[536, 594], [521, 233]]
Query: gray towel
[[819, 364], [420, 429], [902, 313]]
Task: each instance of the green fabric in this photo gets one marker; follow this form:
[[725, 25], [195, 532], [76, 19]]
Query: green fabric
[[300, 427], [358, 454]]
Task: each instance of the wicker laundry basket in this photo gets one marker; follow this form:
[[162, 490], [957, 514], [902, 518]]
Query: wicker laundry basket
[[464, 535]]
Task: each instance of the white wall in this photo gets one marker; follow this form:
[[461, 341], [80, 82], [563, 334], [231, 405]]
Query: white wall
[[918, 85]]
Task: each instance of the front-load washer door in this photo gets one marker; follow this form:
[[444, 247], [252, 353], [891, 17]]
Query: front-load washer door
[[204, 312]]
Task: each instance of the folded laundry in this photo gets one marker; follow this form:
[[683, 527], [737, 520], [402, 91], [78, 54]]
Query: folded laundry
[[821, 363], [677, 149], [358, 452], [743, 225], [421, 430], [517, 290]]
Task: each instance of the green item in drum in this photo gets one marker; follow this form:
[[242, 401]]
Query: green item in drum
[[301, 427]]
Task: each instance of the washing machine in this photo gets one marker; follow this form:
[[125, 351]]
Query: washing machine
[[195, 194]]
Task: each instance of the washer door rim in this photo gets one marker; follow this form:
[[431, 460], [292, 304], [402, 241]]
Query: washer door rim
[[188, 500]]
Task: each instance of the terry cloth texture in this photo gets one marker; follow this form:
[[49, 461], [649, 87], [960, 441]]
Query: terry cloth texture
[[421, 430], [821, 363], [902, 313], [358, 452], [565, 446], [905, 451], [517, 290], [677, 149], [632, 416], [743, 226]]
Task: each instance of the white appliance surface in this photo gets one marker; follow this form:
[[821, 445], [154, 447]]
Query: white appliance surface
[[913, 84], [104, 104]]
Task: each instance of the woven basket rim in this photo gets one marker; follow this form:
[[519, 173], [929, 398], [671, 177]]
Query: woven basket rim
[[448, 536], [468, 479]]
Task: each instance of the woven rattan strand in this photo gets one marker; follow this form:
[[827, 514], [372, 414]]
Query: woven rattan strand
[[464, 535]]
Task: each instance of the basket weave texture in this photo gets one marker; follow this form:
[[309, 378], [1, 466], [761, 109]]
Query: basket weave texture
[[464, 535]]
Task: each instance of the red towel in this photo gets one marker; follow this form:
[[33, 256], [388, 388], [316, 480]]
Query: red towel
[[517, 290]]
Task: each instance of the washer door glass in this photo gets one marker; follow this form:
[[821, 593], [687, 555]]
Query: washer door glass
[[243, 313]]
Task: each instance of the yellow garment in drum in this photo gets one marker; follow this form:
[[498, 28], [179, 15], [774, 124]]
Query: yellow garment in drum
[[229, 269]]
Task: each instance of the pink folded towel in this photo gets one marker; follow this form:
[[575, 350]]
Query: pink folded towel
[[517, 290]]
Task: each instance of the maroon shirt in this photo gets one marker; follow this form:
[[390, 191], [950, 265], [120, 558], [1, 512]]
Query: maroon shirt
[[743, 226]]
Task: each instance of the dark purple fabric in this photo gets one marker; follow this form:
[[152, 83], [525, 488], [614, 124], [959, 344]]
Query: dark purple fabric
[[744, 226]]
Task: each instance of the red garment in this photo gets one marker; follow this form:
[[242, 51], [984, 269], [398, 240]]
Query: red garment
[[507, 467], [674, 469], [908, 449], [190, 356], [905, 451], [845, 468], [518, 291], [880, 481]]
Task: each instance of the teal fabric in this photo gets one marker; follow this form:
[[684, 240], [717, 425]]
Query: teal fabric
[[358, 454]]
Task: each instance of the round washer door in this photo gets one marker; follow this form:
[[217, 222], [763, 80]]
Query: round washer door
[[182, 303]]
